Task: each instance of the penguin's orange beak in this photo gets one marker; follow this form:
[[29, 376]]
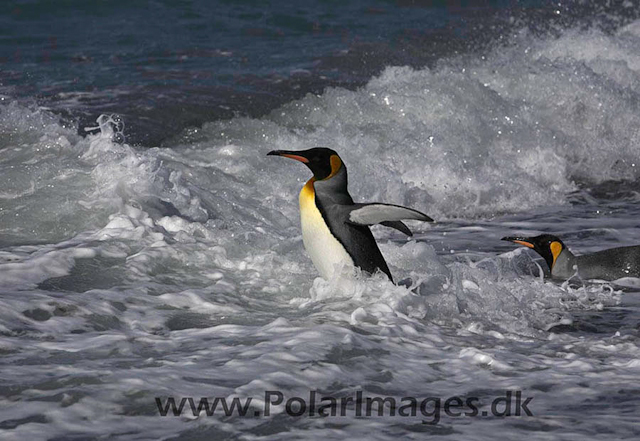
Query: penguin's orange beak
[[520, 241], [288, 154]]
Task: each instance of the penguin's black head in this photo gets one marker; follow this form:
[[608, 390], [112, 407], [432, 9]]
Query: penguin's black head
[[323, 162], [547, 245]]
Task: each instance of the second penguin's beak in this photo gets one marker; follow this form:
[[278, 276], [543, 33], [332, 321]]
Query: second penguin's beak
[[519, 240], [289, 154]]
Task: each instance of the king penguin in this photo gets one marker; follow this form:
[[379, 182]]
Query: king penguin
[[335, 230], [611, 264]]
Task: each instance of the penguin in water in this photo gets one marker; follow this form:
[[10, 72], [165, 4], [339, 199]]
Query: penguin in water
[[335, 230], [611, 264]]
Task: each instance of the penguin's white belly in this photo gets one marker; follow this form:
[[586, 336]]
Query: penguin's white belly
[[326, 252]]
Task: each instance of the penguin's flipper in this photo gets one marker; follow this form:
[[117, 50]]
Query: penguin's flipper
[[385, 214], [398, 225]]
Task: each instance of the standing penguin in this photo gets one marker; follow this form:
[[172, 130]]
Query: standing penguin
[[335, 230], [611, 264]]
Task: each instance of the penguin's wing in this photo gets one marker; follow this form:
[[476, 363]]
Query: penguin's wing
[[398, 225], [385, 214]]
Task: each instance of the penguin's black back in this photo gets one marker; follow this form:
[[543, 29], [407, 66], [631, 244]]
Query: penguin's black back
[[610, 264]]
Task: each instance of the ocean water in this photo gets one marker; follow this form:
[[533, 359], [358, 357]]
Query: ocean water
[[150, 249]]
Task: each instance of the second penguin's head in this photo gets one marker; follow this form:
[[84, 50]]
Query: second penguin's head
[[547, 245]]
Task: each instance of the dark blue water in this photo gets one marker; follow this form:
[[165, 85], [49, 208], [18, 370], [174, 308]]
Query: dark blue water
[[167, 65]]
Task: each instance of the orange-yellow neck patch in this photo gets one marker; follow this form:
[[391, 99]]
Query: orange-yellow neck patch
[[336, 163], [556, 249], [308, 193]]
